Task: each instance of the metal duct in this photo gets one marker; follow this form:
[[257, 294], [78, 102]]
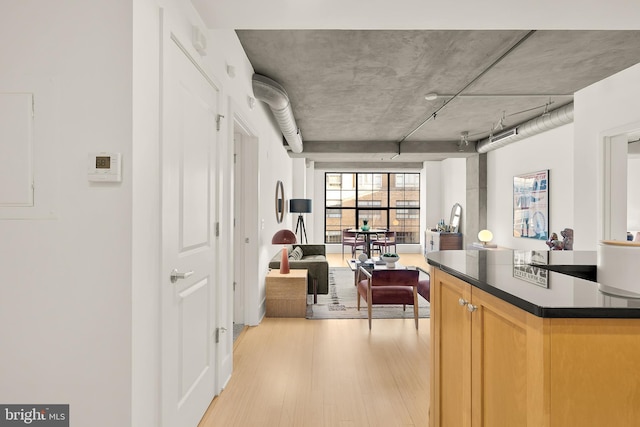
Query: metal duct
[[276, 97], [554, 119]]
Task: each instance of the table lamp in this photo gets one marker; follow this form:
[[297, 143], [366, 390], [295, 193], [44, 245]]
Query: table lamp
[[284, 237], [485, 236]]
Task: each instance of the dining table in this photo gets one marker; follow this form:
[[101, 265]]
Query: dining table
[[367, 237]]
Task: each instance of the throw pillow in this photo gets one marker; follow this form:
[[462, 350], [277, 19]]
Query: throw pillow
[[296, 254]]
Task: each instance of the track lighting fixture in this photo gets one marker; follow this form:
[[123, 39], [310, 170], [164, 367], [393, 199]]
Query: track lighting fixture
[[464, 141], [546, 109]]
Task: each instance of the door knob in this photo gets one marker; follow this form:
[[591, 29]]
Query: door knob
[[472, 307], [175, 275], [463, 302]]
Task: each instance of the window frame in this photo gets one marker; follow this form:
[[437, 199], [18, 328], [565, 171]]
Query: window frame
[[385, 210]]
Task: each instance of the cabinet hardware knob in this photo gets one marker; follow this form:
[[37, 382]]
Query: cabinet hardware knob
[[472, 307], [463, 302]]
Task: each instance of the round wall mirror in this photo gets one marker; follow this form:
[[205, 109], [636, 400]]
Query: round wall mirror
[[454, 221], [279, 201]]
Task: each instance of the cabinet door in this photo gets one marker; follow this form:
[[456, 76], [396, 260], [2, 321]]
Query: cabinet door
[[499, 362], [451, 353]]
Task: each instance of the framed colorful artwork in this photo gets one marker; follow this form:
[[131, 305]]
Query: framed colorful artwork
[[531, 205]]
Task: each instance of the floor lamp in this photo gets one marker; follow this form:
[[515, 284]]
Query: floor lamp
[[300, 206]]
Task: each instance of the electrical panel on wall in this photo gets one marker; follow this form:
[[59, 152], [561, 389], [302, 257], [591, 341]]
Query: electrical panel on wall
[[105, 167]]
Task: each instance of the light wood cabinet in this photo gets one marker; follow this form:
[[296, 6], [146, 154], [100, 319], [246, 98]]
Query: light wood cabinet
[[494, 364]]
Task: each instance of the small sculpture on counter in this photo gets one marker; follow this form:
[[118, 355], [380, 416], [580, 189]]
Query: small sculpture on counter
[[566, 244], [554, 244], [567, 241]]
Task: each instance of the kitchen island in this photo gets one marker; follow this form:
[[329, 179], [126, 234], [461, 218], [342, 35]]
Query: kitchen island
[[517, 342]]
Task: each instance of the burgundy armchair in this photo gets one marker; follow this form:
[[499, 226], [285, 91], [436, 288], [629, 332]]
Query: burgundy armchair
[[389, 287], [424, 285]]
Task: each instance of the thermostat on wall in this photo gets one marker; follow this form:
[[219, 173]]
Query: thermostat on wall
[[105, 167]]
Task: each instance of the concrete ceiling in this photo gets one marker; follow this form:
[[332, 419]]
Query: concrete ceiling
[[357, 95]]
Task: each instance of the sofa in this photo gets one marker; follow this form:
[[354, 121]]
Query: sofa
[[314, 259]]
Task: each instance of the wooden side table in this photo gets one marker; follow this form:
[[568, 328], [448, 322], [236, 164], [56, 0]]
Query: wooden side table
[[287, 293]]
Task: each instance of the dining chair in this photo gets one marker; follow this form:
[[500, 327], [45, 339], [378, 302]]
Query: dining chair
[[387, 240], [353, 240], [389, 287]]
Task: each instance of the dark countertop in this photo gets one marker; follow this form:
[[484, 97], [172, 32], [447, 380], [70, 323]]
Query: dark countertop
[[544, 283]]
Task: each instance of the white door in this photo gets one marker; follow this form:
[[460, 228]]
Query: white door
[[189, 143]]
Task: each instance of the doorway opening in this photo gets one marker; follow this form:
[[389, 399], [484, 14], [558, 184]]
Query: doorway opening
[[245, 223]]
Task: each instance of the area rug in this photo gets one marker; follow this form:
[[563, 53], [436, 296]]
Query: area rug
[[341, 301]]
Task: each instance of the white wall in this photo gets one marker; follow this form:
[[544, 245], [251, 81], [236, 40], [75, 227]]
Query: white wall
[[549, 150], [432, 176], [83, 305], [606, 107], [454, 189], [65, 299], [145, 340], [633, 195]]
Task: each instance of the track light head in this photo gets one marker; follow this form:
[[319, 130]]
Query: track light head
[[464, 141]]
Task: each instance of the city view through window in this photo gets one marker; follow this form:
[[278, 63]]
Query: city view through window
[[387, 200]]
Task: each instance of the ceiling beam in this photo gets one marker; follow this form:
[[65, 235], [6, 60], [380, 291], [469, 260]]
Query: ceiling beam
[[387, 147], [385, 166]]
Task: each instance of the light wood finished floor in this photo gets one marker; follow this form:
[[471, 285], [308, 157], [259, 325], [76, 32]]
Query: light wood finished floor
[[329, 373]]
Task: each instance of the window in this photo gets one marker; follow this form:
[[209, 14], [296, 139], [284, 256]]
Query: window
[[387, 200], [409, 180], [408, 213]]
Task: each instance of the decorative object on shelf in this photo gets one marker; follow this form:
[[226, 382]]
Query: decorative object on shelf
[[279, 201], [554, 243], [454, 219], [566, 244], [284, 237], [485, 237], [363, 257], [567, 239], [390, 259], [300, 206], [365, 225], [531, 205]]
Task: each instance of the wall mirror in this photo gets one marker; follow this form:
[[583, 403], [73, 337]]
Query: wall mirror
[[279, 201], [454, 221]]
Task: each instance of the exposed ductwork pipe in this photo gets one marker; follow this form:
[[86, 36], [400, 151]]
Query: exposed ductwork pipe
[[556, 118], [272, 93]]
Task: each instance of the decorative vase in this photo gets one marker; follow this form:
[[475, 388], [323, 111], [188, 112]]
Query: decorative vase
[[390, 259], [365, 225]]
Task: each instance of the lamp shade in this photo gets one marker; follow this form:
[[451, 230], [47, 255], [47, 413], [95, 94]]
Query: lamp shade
[[485, 236], [300, 205], [284, 237]]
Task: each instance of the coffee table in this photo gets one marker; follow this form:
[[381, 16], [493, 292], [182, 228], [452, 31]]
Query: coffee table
[[355, 265]]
